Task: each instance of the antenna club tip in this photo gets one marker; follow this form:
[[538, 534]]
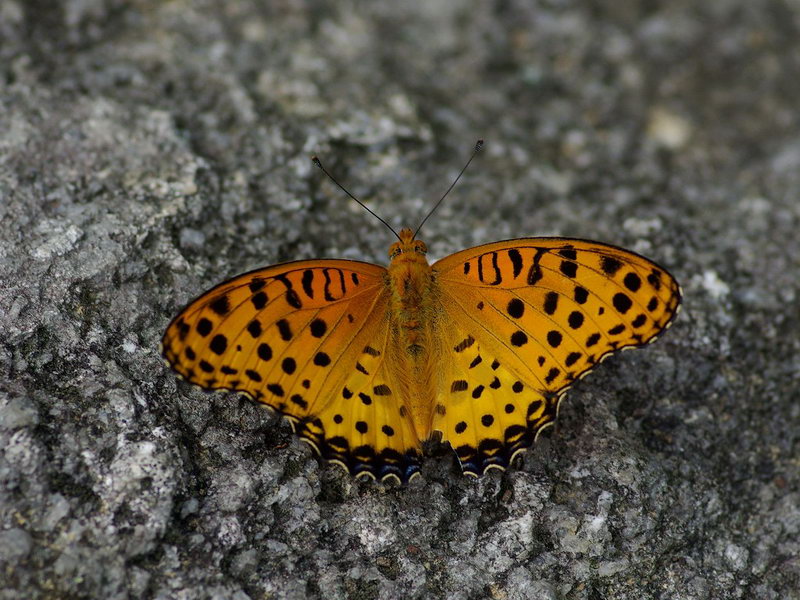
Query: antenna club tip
[[479, 144], [316, 161]]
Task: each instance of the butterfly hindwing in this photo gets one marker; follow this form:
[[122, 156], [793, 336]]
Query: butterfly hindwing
[[484, 410], [366, 428], [545, 311]]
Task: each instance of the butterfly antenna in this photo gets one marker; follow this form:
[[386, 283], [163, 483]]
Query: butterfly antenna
[[478, 146], [317, 162]]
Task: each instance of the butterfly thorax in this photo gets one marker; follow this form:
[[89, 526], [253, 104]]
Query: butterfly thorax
[[410, 282]]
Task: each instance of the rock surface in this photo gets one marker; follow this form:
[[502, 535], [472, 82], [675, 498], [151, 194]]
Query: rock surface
[[151, 149]]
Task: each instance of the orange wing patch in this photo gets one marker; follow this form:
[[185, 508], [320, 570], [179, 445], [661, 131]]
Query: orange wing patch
[[543, 312]]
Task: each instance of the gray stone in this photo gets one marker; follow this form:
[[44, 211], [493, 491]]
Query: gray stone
[[149, 150], [15, 544]]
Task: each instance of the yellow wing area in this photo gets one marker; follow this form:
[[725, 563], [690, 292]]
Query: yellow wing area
[[530, 317], [307, 339]]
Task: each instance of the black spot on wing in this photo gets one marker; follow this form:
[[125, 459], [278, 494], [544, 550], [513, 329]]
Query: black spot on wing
[[292, 299], [464, 344], [318, 328], [569, 268], [535, 271], [632, 282], [221, 305], [254, 328], [622, 302], [516, 308], [204, 327], [516, 261], [276, 389], [264, 352], [459, 385], [498, 277], [308, 280], [610, 265], [575, 319], [218, 344], [284, 329], [519, 338], [554, 338], [550, 302], [259, 300], [183, 329], [326, 287]]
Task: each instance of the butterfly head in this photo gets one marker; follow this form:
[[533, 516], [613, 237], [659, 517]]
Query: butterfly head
[[408, 246]]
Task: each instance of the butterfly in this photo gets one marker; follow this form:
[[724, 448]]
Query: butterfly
[[367, 362]]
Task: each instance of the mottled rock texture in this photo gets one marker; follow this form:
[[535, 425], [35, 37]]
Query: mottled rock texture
[[150, 149]]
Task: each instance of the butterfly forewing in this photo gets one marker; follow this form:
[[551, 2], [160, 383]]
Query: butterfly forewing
[[259, 332]]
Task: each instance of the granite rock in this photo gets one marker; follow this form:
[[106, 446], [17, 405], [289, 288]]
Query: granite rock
[[150, 149]]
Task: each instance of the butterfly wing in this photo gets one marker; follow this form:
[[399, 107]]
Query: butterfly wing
[[530, 317], [307, 339]]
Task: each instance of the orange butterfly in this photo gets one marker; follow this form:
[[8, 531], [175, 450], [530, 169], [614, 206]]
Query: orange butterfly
[[367, 362]]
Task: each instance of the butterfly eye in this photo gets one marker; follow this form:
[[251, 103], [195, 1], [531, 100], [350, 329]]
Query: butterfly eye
[[420, 247], [394, 252]]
